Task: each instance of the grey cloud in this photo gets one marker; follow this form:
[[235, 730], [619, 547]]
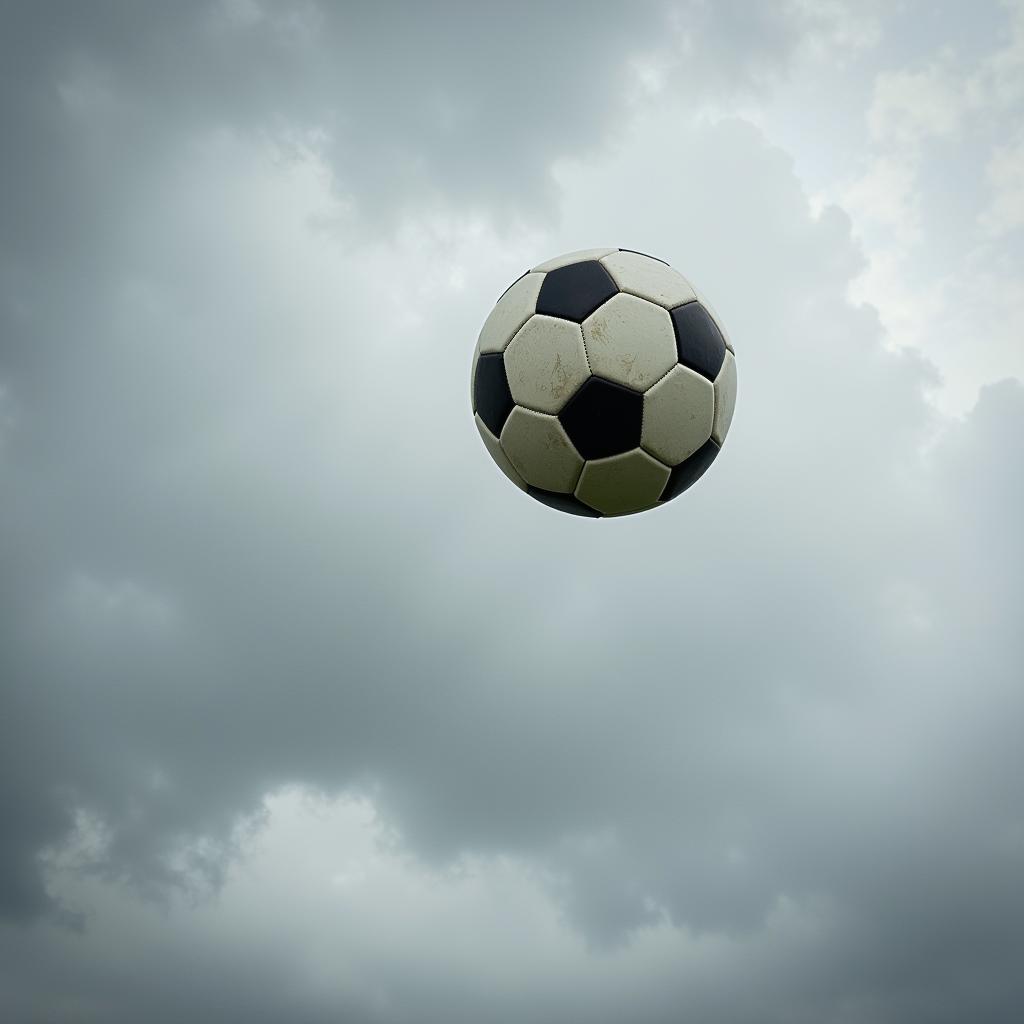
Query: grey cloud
[[462, 103], [239, 553], [102, 109]]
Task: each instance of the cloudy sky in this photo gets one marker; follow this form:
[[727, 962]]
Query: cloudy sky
[[306, 714]]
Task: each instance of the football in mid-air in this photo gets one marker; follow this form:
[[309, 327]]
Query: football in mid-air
[[603, 383]]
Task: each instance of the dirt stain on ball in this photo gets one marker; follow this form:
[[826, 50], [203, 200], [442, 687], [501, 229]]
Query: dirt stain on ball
[[559, 378]]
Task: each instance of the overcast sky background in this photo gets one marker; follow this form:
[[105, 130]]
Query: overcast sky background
[[306, 714]]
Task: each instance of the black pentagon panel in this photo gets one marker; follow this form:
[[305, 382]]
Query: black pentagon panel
[[603, 418], [491, 392], [575, 291], [647, 254], [690, 470], [563, 502], [699, 342]]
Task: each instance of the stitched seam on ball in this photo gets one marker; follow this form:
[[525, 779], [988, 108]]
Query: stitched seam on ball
[[512, 336], [586, 354], [655, 302], [575, 450], [539, 412], [643, 406], [657, 458]]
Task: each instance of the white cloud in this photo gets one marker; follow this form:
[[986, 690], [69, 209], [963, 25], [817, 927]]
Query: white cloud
[[911, 107], [937, 136], [887, 196], [836, 30]]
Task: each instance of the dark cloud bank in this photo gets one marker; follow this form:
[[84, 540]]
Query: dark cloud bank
[[230, 563]]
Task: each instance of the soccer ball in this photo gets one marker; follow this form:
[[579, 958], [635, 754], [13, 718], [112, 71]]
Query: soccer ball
[[602, 383]]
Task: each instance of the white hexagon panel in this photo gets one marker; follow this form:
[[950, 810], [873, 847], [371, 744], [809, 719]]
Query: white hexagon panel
[[472, 379], [649, 278], [493, 445], [725, 399], [602, 383], [515, 306], [679, 415], [540, 451], [630, 341], [546, 362], [630, 482]]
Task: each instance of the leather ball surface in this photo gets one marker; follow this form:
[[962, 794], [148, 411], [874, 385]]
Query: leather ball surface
[[602, 383]]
